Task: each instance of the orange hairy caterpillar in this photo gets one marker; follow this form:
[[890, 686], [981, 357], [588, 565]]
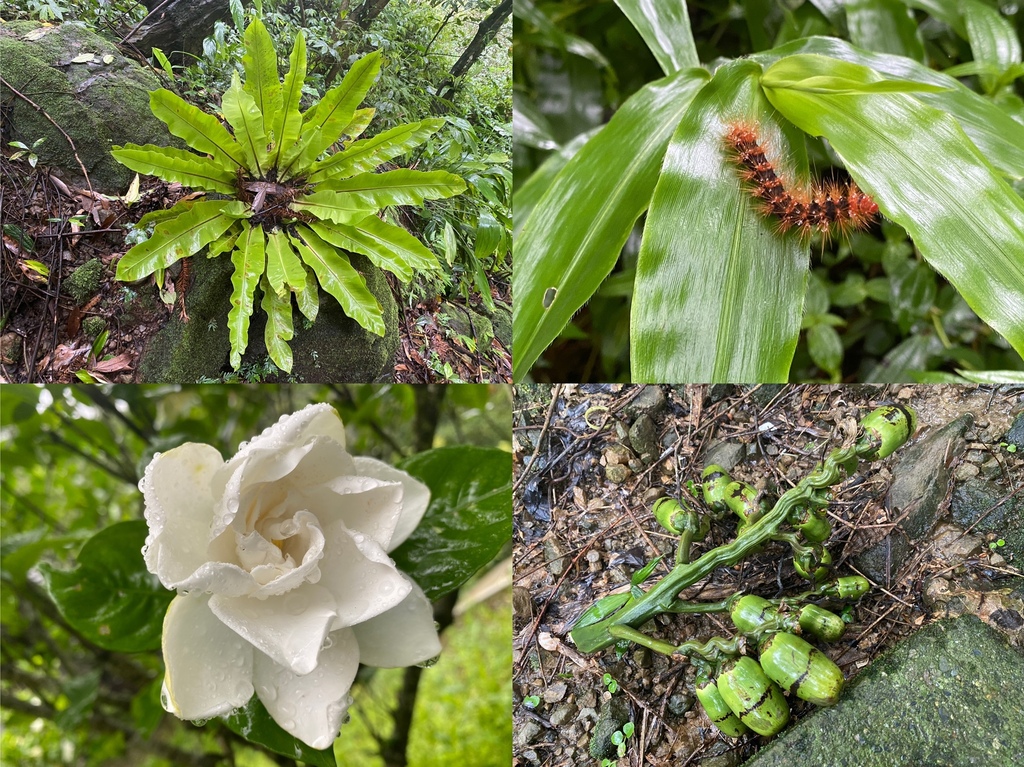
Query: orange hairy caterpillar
[[827, 207]]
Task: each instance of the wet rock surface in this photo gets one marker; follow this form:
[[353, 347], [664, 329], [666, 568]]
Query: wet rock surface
[[950, 695]]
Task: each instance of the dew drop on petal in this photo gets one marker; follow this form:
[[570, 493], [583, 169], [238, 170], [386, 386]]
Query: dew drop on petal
[[267, 693], [328, 642], [429, 662], [288, 724], [165, 699], [200, 722], [296, 603]]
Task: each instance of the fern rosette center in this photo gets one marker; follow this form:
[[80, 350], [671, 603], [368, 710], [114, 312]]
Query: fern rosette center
[[287, 209]]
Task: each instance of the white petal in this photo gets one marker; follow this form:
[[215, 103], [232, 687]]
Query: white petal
[[209, 667], [311, 707], [318, 420], [403, 636], [360, 574], [290, 629], [366, 505], [415, 499], [179, 510]]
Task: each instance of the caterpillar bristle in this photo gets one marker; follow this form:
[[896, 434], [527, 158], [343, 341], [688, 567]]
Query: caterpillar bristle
[[829, 208]]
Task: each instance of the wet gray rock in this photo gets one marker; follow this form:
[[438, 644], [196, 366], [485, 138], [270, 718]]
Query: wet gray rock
[[950, 695], [643, 436], [728, 455], [920, 486], [983, 503], [650, 401], [613, 715], [1015, 435]]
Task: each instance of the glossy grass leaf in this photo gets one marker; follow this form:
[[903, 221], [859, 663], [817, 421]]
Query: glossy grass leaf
[[366, 154], [339, 278], [255, 724], [469, 518], [249, 260], [279, 330], [387, 246], [260, 62], [340, 207], [999, 137], [527, 195], [574, 234], [176, 238], [719, 292], [665, 27], [179, 165], [398, 187], [926, 175], [284, 269], [287, 124], [246, 121], [199, 130], [109, 597], [308, 299], [884, 26]]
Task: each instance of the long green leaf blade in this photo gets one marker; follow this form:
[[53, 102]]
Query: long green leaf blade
[[999, 137], [334, 112], [199, 130], [341, 280], [279, 329], [288, 120], [249, 262], [398, 187], [927, 176], [388, 247], [719, 292], [179, 237], [261, 79], [573, 237], [178, 165], [367, 154], [284, 269], [665, 27], [308, 299], [340, 207], [244, 116]]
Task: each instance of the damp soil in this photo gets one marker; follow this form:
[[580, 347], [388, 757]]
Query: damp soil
[[591, 460]]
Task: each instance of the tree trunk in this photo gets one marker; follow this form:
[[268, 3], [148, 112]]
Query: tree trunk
[[177, 25], [364, 15], [484, 34]]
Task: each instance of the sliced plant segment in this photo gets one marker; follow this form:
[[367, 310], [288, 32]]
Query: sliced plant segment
[[249, 261], [246, 120], [399, 187], [279, 325], [199, 130], [177, 238], [178, 165], [284, 269], [339, 278], [367, 154], [387, 246]]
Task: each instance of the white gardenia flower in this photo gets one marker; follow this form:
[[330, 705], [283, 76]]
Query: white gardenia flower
[[280, 560]]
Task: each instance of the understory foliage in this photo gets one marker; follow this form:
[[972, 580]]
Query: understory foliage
[[293, 208]]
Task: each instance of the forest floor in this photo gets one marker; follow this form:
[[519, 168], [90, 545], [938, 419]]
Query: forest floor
[[579, 536], [48, 327]]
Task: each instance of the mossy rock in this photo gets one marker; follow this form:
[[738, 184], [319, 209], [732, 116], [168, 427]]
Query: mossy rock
[[83, 283], [334, 349], [99, 102], [502, 322]]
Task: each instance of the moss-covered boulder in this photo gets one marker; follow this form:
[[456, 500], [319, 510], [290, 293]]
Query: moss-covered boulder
[[333, 349], [83, 283], [99, 97]]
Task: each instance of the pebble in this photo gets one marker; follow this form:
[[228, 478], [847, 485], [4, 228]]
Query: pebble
[[562, 714], [966, 471], [555, 692], [617, 474]]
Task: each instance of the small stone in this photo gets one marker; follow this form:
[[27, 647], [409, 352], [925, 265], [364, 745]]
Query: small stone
[[643, 436], [555, 692], [562, 714], [527, 733], [553, 555], [966, 471], [617, 454], [680, 703], [10, 348], [617, 474]]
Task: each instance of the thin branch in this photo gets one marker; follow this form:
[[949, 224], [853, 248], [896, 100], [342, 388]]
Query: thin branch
[[35, 106]]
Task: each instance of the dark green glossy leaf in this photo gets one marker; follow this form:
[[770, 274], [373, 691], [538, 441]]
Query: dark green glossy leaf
[[147, 712], [573, 237], [469, 518], [665, 27], [257, 726], [110, 597], [81, 692], [722, 291], [826, 348], [884, 26]]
